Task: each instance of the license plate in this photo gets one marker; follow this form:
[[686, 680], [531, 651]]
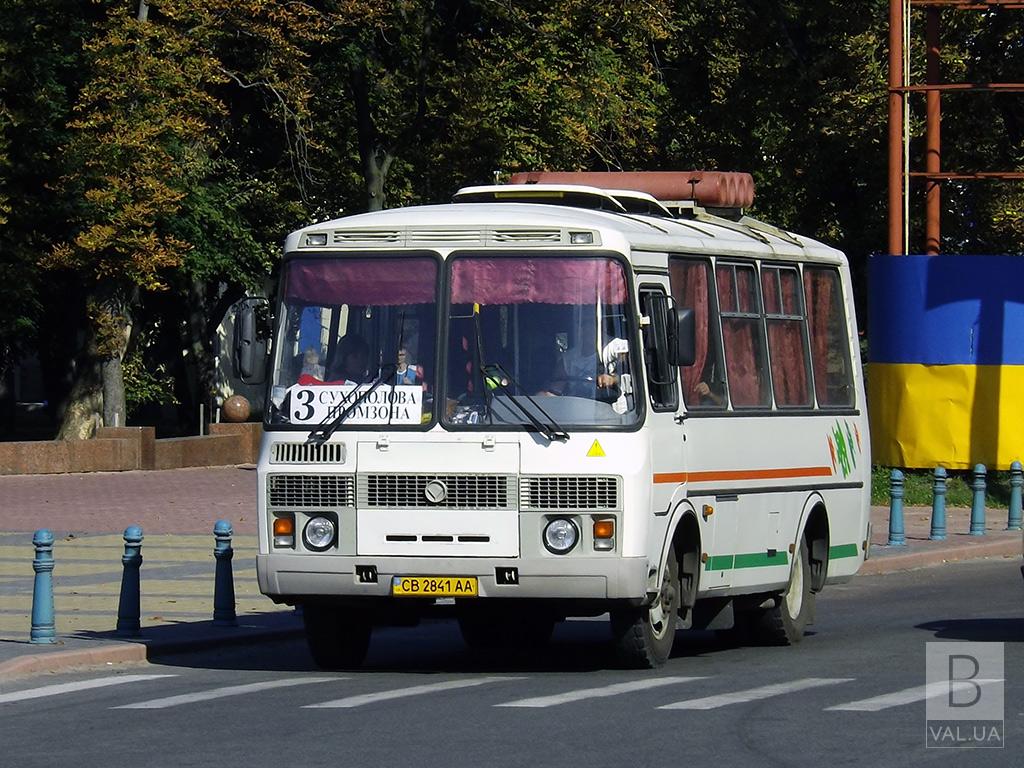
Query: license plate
[[434, 586]]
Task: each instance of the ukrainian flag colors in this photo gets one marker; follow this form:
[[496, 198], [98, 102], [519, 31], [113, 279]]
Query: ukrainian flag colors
[[946, 351]]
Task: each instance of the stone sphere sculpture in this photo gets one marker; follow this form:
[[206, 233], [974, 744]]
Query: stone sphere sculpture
[[236, 409]]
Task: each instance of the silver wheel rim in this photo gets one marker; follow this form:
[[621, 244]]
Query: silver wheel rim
[[795, 593], [661, 611]]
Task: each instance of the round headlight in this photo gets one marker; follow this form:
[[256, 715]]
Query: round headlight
[[319, 533], [560, 536]]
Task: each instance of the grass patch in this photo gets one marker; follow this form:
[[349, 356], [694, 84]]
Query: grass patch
[[918, 483]]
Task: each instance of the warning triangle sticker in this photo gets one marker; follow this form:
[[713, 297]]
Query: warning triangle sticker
[[596, 450]]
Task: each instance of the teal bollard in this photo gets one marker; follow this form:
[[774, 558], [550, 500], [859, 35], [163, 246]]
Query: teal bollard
[[938, 531], [896, 535], [223, 581], [1013, 522], [43, 629], [128, 611], [978, 502]]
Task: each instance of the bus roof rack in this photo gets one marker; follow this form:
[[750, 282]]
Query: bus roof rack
[[709, 189], [574, 195]]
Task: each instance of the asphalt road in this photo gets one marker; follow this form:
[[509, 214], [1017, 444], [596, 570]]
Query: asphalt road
[[849, 694]]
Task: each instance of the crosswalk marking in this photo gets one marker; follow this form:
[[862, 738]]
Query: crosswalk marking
[[400, 693], [597, 693], [81, 685], [220, 693], [909, 696], [753, 694]]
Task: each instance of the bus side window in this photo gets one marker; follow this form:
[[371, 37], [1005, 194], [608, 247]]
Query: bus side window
[[787, 342], [661, 376], [830, 339], [704, 381], [743, 335]]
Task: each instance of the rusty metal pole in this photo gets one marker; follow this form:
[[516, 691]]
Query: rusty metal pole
[[933, 155], [896, 97]]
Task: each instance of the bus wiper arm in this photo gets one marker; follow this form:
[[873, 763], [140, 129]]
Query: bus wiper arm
[[552, 430], [323, 433]]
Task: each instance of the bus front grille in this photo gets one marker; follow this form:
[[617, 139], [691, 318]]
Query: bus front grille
[[408, 491], [570, 493], [325, 491]]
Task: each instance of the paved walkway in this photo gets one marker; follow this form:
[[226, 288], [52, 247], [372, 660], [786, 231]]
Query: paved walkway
[[177, 509]]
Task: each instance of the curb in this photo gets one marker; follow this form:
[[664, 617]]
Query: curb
[[881, 564], [121, 652]]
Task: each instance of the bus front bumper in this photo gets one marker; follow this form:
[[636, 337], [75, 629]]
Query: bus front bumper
[[286, 576]]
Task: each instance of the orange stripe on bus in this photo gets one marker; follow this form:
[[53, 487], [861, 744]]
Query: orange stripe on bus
[[742, 474]]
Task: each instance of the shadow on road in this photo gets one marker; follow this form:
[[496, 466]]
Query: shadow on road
[[980, 630], [437, 647]]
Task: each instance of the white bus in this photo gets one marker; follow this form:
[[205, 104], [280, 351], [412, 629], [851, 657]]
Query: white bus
[[555, 399]]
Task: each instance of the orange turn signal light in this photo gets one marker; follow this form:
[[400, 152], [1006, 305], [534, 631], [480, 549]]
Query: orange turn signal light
[[284, 526], [604, 529]]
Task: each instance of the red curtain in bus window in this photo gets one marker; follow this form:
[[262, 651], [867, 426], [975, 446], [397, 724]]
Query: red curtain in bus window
[[789, 363], [826, 321], [537, 281], [689, 280], [742, 363]]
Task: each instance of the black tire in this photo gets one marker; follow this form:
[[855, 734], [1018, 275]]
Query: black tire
[[338, 638], [643, 637], [784, 624]]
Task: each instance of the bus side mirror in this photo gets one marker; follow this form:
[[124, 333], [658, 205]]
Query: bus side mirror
[[682, 343], [252, 332]]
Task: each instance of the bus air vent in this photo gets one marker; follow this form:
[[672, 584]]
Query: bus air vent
[[366, 236], [528, 236], [570, 493], [321, 491], [474, 236], [307, 453], [401, 491]]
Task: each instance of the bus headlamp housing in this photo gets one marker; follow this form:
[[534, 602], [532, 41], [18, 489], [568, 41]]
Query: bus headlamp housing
[[561, 535], [319, 534]]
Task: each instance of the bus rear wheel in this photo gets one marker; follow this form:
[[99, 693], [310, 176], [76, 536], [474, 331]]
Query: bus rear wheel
[[643, 637], [784, 624], [337, 638]]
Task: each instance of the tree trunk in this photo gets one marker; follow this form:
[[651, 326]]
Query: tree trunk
[[197, 344], [84, 404]]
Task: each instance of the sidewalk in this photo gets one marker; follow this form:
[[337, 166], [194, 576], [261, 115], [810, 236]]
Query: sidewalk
[[177, 509]]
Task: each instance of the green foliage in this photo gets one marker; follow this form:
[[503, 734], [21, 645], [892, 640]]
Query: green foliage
[[918, 485], [144, 385]]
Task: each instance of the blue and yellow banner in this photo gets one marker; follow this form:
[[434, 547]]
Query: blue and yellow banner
[[946, 352]]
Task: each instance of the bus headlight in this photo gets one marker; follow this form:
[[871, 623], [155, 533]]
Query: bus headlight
[[318, 533], [561, 535]]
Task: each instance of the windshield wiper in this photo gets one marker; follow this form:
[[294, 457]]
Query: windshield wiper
[[327, 428], [552, 430]]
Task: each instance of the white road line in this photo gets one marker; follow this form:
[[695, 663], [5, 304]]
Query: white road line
[[220, 693], [597, 693], [754, 694], [401, 693], [910, 695], [81, 685]]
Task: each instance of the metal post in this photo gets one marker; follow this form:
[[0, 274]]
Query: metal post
[[896, 98], [896, 536], [128, 610], [1013, 523], [938, 532], [223, 583], [933, 153], [978, 503], [43, 629]]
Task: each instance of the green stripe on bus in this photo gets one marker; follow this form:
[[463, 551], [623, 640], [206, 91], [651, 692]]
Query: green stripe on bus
[[748, 560], [842, 550]]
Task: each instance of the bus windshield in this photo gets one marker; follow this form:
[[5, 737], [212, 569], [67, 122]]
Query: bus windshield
[[547, 338], [351, 324]]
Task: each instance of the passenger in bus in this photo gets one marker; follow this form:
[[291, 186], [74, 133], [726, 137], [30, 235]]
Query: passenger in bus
[[581, 372], [406, 372], [349, 365]]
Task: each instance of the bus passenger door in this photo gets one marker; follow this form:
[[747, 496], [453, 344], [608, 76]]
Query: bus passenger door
[[664, 424]]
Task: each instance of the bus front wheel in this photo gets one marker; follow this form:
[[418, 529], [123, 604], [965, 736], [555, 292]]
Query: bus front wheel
[[337, 638], [784, 624], [644, 636]]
